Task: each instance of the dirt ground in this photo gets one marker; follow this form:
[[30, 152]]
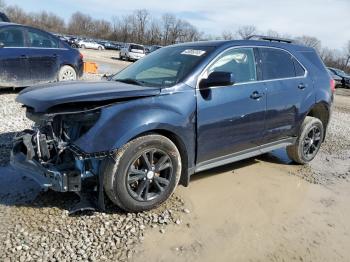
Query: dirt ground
[[264, 209], [107, 60]]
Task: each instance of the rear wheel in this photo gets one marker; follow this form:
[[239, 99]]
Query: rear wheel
[[83, 46], [145, 173], [67, 73], [309, 141], [99, 48]]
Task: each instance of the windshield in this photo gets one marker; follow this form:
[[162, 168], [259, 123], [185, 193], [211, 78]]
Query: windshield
[[165, 67]]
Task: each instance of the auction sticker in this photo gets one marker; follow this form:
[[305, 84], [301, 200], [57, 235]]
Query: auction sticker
[[193, 52]]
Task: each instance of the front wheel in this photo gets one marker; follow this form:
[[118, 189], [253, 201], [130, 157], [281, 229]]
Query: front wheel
[[144, 174], [308, 142]]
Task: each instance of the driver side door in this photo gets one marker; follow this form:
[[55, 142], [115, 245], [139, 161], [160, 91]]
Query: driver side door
[[230, 119]]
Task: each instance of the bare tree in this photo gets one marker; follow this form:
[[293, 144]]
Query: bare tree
[[347, 54], [168, 21], [228, 35], [310, 41], [244, 32]]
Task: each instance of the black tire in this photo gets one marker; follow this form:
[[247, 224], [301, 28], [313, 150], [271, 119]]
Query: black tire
[[129, 182], [99, 48], [309, 141], [83, 46]]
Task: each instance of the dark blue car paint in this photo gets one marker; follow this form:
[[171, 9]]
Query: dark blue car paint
[[210, 123], [25, 66]]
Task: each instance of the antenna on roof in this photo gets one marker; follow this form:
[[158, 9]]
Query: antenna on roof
[[270, 38]]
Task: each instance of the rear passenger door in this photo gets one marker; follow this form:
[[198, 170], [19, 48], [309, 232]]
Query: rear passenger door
[[43, 59], [14, 69], [287, 90]]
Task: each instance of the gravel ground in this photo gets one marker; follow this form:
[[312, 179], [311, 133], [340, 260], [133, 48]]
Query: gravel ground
[[35, 226], [332, 161]]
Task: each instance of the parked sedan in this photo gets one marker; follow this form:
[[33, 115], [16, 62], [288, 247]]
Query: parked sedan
[[337, 79], [90, 45], [29, 56], [110, 45], [345, 77]]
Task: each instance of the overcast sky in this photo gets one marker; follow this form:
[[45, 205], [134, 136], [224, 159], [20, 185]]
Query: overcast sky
[[328, 20]]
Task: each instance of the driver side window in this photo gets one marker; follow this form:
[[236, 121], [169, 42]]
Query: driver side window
[[239, 61]]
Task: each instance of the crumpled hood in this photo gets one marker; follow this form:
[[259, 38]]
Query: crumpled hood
[[43, 97]]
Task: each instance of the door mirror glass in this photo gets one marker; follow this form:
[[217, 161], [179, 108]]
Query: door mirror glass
[[218, 79]]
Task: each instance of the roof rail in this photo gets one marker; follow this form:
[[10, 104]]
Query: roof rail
[[270, 38]]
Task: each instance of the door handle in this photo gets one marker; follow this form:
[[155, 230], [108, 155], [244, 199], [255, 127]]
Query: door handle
[[256, 95], [54, 55], [23, 57], [301, 86]]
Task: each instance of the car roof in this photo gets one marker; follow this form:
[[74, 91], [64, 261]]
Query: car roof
[[261, 43], [7, 23]]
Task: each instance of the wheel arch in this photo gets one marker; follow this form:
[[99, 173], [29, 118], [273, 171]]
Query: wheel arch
[[321, 111], [179, 143]]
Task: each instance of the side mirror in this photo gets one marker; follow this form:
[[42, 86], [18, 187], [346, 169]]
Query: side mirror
[[218, 79], [2, 45]]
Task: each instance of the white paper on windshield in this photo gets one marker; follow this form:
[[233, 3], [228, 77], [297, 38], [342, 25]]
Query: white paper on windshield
[[193, 52]]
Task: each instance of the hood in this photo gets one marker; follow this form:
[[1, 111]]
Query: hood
[[43, 97]]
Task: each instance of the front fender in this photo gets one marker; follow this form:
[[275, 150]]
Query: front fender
[[121, 122]]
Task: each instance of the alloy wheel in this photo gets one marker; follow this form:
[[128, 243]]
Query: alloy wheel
[[149, 175], [312, 142]]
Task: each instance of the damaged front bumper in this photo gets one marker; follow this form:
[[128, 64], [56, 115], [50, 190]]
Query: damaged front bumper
[[61, 178]]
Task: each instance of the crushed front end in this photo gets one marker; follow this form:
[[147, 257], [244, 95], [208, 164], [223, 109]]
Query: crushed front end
[[48, 154]]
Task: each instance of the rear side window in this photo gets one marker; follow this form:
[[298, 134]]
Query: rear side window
[[276, 64], [12, 37], [41, 39], [314, 59], [299, 70]]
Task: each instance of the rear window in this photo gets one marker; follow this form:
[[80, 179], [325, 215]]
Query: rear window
[[276, 64], [314, 59], [136, 47]]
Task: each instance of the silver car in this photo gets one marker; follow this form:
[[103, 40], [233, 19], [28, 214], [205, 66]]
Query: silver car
[[132, 52]]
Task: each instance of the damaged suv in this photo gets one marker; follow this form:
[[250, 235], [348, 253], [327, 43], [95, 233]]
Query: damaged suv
[[181, 110]]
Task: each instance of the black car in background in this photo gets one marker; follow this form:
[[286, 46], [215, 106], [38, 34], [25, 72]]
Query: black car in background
[[345, 82], [152, 48], [108, 45], [29, 56], [3, 17]]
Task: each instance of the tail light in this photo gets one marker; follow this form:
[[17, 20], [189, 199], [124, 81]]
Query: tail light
[[332, 85], [81, 56]]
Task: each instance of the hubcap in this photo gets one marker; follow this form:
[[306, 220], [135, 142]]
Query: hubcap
[[312, 142], [68, 75], [149, 175]]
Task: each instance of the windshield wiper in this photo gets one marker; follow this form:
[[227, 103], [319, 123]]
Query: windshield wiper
[[131, 81]]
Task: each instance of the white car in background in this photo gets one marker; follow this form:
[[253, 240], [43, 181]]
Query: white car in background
[[132, 52], [90, 45]]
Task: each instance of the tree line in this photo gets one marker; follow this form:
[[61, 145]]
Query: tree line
[[141, 27]]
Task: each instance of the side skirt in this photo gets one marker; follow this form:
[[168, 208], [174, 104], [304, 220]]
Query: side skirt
[[220, 161]]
